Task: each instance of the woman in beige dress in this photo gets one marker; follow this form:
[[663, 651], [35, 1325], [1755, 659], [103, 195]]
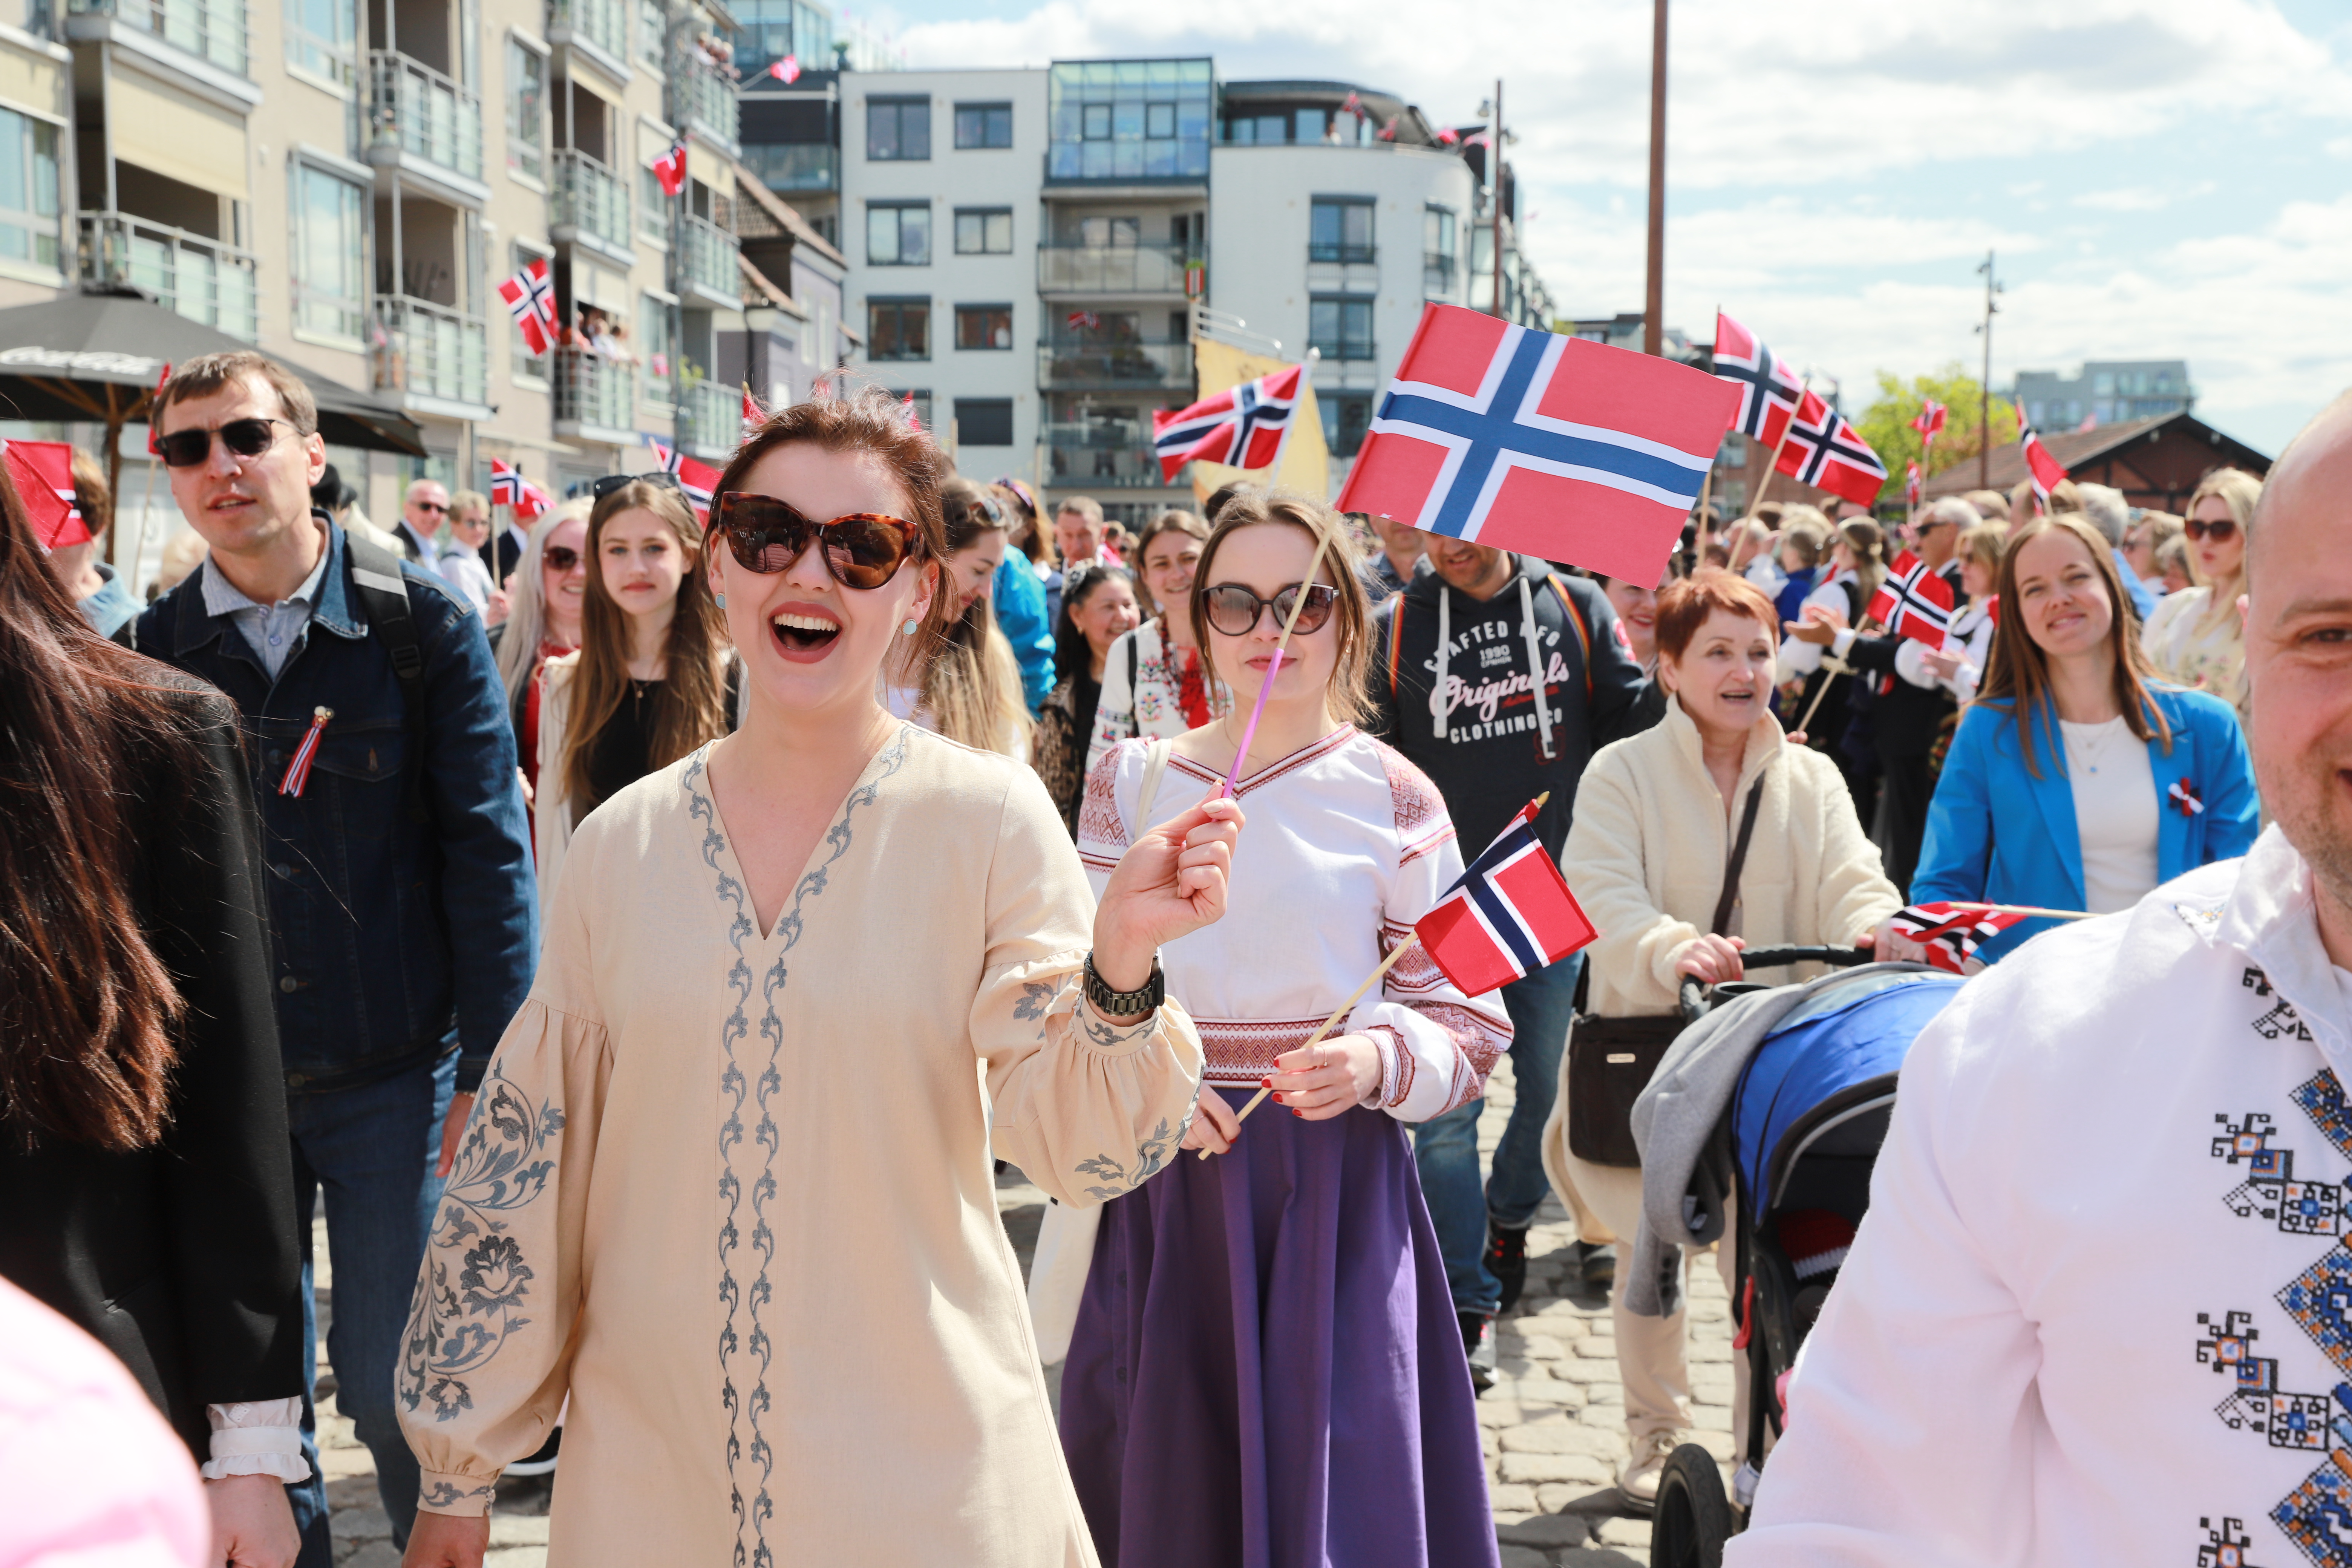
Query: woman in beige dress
[[729, 1185]]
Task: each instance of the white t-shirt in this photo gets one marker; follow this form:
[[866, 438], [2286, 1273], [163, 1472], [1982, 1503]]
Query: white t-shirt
[[2114, 812]]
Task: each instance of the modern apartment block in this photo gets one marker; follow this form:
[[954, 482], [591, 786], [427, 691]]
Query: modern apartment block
[[2106, 391]]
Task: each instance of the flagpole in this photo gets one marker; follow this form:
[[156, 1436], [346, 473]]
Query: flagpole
[[2033, 910], [1272, 669], [1410, 941]]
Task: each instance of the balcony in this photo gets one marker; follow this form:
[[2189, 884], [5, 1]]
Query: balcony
[[589, 206], [595, 398], [1153, 267], [431, 353], [599, 28], [703, 101], [1099, 435], [710, 271], [795, 168], [213, 31], [1067, 364], [425, 115], [201, 279], [1342, 251], [710, 420], [1102, 468]]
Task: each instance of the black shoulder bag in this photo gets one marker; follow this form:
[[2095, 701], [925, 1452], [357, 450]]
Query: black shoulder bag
[[1610, 1060]]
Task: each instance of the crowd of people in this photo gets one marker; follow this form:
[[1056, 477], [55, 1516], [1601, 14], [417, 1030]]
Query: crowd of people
[[647, 933]]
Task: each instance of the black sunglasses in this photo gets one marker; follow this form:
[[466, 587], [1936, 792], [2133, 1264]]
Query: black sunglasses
[[560, 557], [2219, 528], [862, 550], [244, 438], [1236, 610], [612, 482]]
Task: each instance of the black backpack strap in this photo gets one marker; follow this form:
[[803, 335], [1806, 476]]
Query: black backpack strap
[[375, 575]]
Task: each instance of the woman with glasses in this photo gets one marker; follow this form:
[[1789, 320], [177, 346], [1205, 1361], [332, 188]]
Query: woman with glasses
[[2196, 636], [730, 1186], [550, 585], [1154, 683], [969, 687], [654, 677], [1265, 1366], [1098, 606]]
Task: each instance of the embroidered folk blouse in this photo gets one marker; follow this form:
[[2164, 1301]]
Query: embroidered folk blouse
[[733, 1193], [1347, 844], [1156, 704]]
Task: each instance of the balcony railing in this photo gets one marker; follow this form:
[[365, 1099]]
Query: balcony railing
[[1066, 365], [710, 253], [702, 98], [603, 23], [201, 279], [1337, 251], [794, 167], [1155, 266], [589, 198], [710, 420], [430, 351], [429, 115], [1099, 435], [212, 30], [590, 390], [1102, 466]]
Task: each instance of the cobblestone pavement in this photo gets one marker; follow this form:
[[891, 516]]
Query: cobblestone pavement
[[1553, 1423]]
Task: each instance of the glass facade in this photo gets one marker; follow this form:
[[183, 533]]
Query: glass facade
[[526, 110], [772, 30], [29, 190], [1130, 120]]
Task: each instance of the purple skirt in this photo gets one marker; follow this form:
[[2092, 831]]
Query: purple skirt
[[1266, 1370]]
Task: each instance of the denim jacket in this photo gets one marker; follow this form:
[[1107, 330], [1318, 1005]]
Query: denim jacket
[[394, 939]]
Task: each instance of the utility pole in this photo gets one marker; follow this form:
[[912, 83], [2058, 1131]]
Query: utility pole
[[1654, 317], [1984, 388], [1495, 177]]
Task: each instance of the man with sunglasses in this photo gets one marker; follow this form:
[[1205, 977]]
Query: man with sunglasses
[[398, 866]]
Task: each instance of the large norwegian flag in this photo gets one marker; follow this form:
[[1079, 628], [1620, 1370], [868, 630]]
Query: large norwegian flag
[[1531, 441], [43, 471], [1244, 427], [1768, 390], [1914, 601], [530, 295], [1824, 451], [2046, 470], [1950, 935], [1509, 915], [699, 481]]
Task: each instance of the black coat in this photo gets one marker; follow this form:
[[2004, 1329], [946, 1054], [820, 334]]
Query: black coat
[[1904, 717], [183, 1258]]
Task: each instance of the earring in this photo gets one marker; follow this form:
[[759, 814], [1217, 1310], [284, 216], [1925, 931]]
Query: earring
[[721, 599], [909, 629]]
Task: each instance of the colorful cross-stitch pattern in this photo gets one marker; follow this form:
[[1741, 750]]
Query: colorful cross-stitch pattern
[[2317, 1516], [2320, 1300], [2224, 1547]]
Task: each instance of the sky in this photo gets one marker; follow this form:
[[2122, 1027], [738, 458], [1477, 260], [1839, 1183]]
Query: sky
[[2159, 179]]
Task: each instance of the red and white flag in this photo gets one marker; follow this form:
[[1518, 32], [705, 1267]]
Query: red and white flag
[[1824, 451], [699, 481], [1509, 915], [1541, 442], [1952, 936], [908, 412], [1929, 422], [1913, 485], [786, 70], [155, 409], [754, 414], [1083, 319], [43, 471], [2046, 470], [530, 295], [1244, 427], [509, 487], [1768, 390], [1448, 137], [1914, 601], [670, 169]]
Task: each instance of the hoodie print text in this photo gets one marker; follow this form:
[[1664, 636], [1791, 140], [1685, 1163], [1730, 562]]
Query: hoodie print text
[[1486, 673]]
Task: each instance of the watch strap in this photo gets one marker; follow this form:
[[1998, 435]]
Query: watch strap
[[1125, 1005]]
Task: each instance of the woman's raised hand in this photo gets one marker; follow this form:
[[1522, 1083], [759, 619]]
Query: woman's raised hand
[[1710, 960], [1170, 881]]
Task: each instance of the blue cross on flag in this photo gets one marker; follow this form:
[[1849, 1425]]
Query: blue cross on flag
[[1548, 444]]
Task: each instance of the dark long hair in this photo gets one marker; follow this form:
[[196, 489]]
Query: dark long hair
[[1072, 654], [86, 1008]]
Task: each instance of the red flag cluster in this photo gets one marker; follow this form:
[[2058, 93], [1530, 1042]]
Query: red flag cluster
[[1814, 444]]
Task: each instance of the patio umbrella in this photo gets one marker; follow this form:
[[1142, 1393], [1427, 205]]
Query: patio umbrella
[[97, 354]]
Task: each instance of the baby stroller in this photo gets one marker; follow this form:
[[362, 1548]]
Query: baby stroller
[[1795, 1146]]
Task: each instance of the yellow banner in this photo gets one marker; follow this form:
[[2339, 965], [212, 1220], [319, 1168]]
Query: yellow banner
[[1305, 466]]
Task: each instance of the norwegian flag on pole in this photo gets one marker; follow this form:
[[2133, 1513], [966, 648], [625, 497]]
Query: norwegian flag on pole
[[786, 70], [509, 487], [1509, 915], [1950, 935], [699, 481], [1768, 390], [530, 295], [670, 169], [2046, 470], [1929, 422], [43, 472], [1531, 441], [1824, 451], [1913, 485], [1244, 427], [1914, 600]]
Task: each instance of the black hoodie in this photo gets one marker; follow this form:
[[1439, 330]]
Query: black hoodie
[[1492, 758]]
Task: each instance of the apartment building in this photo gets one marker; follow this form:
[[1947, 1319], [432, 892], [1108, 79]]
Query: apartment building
[[2106, 391]]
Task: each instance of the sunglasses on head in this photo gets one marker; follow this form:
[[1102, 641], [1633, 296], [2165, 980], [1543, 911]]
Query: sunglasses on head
[[611, 482], [1235, 610], [862, 550], [2220, 528], [560, 558], [243, 437]]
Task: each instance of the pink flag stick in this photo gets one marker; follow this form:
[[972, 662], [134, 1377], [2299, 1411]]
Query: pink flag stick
[[1272, 669]]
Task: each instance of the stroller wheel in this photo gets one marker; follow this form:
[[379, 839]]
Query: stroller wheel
[[1693, 1518]]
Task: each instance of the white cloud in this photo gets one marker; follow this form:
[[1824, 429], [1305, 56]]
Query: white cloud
[[2139, 198]]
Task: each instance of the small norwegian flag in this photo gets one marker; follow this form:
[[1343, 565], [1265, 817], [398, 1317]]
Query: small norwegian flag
[[1952, 936], [1768, 390], [754, 414], [670, 169], [2047, 471], [297, 771], [2184, 799], [1245, 427], [530, 295], [699, 481], [1509, 915], [786, 70], [1913, 485], [155, 411], [1086, 318], [1929, 422], [1354, 106], [1825, 451], [1914, 601], [506, 483], [43, 471]]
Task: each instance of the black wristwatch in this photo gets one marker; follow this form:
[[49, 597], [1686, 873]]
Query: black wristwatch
[[1126, 1004]]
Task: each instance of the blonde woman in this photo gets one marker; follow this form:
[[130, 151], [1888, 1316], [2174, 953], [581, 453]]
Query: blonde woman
[[2196, 636], [551, 584], [968, 689], [655, 675]]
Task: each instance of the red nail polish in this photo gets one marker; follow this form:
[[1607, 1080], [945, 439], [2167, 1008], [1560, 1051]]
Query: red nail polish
[[1278, 1099], [1301, 1114], [1265, 1083]]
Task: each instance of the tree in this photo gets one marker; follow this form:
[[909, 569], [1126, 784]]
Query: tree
[[1887, 423]]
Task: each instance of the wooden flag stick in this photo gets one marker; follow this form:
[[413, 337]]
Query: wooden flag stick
[[2034, 910], [1332, 1022], [1272, 669]]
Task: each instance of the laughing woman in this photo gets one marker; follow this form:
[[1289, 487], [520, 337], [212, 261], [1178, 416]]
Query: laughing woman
[[737, 1130]]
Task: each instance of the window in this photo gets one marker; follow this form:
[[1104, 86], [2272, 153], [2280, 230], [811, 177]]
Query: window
[[29, 190], [898, 234], [651, 26], [983, 421], [984, 327], [1340, 229], [983, 125], [1437, 238], [1096, 125], [320, 36], [1130, 120], [526, 110], [523, 365], [898, 329], [1346, 418], [653, 208], [1158, 121], [654, 323], [897, 129], [1341, 327], [1734, 451], [329, 253], [983, 231], [1311, 125], [922, 398], [1103, 233]]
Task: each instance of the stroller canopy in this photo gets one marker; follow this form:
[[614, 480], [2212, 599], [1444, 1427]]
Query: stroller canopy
[[1837, 1054]]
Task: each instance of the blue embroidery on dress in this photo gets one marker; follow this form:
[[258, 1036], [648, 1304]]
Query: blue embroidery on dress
[[752, 1409]]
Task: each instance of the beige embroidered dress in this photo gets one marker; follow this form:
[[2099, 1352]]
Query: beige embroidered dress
[[733, 1193]]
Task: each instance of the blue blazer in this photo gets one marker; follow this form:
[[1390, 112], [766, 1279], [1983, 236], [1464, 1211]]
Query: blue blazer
[[1997, 833]]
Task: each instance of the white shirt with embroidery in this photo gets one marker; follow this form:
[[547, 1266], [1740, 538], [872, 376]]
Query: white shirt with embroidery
[[2101, 1308]]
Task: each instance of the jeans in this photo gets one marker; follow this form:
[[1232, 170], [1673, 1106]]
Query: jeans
[[1445, 1147], [371, 1149]]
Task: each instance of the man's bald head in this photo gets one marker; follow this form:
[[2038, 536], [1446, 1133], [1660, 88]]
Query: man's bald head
[[2312, 471]]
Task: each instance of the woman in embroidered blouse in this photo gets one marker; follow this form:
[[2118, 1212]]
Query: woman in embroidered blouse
[[737, 1131], [1267, 1368], [1153, 682]]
